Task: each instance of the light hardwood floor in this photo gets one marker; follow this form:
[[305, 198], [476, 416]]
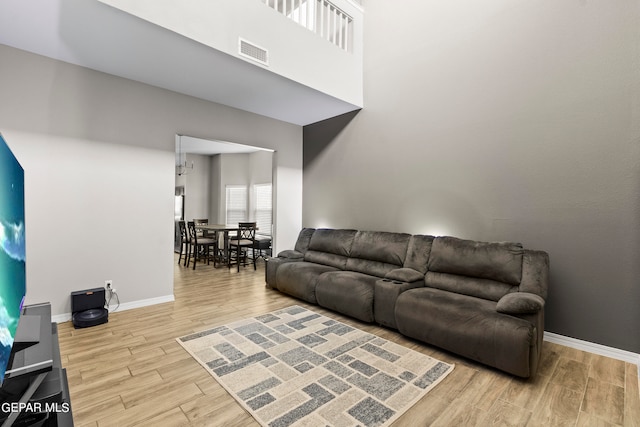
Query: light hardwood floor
[[132, 372]]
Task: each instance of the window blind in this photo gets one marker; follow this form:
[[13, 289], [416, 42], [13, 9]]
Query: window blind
[[263, 209], [236, 204]]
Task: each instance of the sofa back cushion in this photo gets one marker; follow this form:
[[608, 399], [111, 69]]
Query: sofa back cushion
[[418, 252], [304, 238], [501, 262], [330, 247], [377, 252], [473, 286]]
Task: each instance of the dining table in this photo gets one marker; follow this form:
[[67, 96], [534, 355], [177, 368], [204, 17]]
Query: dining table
[[221, 228]]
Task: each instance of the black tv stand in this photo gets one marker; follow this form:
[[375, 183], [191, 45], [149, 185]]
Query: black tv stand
[[35, 391], [28, 332]]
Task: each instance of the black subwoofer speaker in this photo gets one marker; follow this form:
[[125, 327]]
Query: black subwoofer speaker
[[87, 308]]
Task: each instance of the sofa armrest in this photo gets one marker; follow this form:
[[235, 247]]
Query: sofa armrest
[[272, 265], [520, 303], [385, 294], [404, 275], [291, 254]]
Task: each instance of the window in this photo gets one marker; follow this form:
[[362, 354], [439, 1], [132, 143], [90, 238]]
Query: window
[[236, 204], [262, 212]]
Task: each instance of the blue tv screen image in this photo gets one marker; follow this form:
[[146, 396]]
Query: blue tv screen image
[[12, 251]]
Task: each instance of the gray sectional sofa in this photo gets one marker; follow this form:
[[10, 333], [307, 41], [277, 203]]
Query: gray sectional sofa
[[484, 301]]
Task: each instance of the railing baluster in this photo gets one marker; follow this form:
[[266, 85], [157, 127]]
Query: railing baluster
[[309, 6], [334, 32], [320, 16], [340, 29], [346, 34]]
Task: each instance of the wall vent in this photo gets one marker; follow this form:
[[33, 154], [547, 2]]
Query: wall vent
[[254, 52]]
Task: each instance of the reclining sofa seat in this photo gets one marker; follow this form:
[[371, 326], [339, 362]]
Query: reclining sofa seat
[[484, 301], [338, 269]]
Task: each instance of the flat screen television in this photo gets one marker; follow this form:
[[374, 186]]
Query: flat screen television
[[12, 251]]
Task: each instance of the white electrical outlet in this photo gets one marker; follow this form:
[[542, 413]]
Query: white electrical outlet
[[108, 284]]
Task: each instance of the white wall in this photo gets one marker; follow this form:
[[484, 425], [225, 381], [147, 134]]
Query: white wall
[[234, 171], [501, 120], [294, 52], [215, 174], [197, 187], [94, 211], [99, 156], [261, 167], [237, 169]]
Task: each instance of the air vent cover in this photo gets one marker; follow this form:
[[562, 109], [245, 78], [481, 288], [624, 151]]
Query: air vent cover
[[254, 52]]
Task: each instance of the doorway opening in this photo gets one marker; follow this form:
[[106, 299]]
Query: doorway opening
[[225, 183]]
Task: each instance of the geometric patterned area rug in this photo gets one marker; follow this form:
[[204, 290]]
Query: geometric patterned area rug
[[295, 367]]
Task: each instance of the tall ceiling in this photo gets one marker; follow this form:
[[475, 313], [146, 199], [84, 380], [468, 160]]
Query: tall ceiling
[[93, 35]]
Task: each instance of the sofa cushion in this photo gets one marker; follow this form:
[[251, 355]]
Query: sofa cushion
[[347, 292], [501, 261], [299, 279], [330, 247], [472, 286], [373, 268], [304, 238], [337, 242], [333, 260], [385, 247], [377, 253], [418, 252], [467, 326]]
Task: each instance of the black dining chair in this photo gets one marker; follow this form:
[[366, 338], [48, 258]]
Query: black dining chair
[[184, 242], [199, 222], [263, 246], [200, 246], [241, 242]]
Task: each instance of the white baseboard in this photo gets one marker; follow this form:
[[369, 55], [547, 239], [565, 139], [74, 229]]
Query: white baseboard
[[66, 317], [602, 350]]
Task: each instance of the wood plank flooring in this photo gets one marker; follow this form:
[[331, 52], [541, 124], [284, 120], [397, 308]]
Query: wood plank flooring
[[132, 372]]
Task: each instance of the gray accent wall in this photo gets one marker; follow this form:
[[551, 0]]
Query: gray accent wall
[[515, 121]]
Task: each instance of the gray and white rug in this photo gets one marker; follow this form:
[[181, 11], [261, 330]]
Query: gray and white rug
[[295, 367]]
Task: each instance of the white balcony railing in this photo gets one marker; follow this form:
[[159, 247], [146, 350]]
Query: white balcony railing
[[320, 16]]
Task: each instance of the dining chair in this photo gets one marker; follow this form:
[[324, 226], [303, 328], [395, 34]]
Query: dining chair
[[184, 242], [199, 222], [263, 246], [240, 243], [200, 246]]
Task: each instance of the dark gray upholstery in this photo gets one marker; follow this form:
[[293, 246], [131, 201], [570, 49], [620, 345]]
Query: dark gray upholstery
[[299, 279], [330, 247], [501, 262], [377, 253], [304, 238], [482, 300], [468, 326], [302, 244], [385, 294], [347, 292], [387, 248], [472, 286], [418, 253]]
